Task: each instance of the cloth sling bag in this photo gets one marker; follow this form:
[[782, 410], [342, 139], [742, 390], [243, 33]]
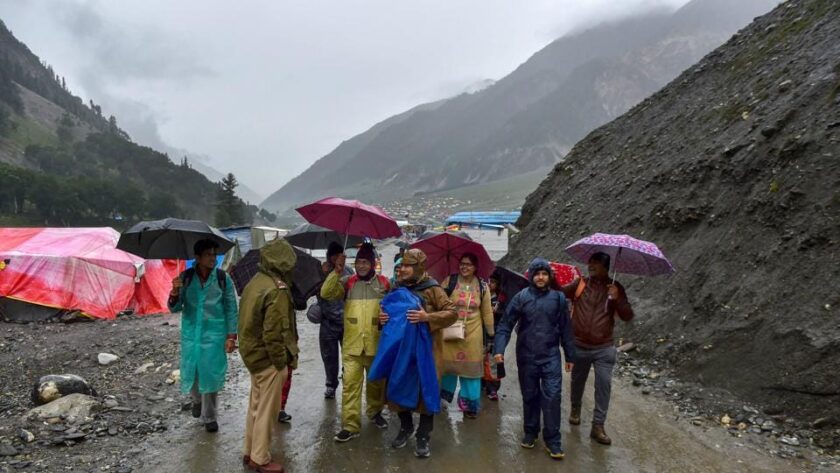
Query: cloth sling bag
[[458, 331]]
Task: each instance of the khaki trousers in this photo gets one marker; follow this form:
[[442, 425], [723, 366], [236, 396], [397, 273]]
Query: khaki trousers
[[263, 408]]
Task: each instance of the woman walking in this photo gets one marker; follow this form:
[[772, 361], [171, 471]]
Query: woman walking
[[463, 342]]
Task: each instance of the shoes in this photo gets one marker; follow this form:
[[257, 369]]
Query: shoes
[[462, 404], [422, 449], [574, 416], [528, 441], [267, 468], [345, 436], [329, 393], [402, 438], [555, 453], [211, 427], [599, 435], [196, 410], [284, 417], [493, 396], [379, 421], [471, 415]]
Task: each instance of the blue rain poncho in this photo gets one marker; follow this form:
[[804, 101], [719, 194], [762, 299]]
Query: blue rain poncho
[[404, 356]]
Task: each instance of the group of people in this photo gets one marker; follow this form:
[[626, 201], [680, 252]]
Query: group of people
[[470, 321]]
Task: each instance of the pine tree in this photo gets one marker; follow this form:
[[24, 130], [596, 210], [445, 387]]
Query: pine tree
[[229, 210]]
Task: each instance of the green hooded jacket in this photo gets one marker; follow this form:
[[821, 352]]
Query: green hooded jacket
[[267, 326]]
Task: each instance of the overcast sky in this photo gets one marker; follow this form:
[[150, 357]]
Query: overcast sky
[[265, 88]]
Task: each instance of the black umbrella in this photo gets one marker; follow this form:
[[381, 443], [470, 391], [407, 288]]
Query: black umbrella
[[306, 278], [170, 238], [510, 282], [313, 237]]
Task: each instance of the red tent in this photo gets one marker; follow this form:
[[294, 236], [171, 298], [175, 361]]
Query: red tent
[[80, 269]]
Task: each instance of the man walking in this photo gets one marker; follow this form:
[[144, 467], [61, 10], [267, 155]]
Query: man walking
[[268, 345], [361, 294], [541, 318], [332, 323], [596, 302], [205, 297]]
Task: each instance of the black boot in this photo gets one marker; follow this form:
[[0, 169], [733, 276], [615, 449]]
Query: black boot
[[406, 430], [424, 431]]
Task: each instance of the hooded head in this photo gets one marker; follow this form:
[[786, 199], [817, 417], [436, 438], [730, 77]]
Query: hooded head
[[540, 264], [417, 260], [278, 259], [334, 249], [366, 253]]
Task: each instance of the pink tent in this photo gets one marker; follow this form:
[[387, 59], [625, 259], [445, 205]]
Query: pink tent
[[76, 268], [152, 292]]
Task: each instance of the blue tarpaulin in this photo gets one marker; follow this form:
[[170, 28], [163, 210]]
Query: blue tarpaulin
[[484, 218], [404, 356]]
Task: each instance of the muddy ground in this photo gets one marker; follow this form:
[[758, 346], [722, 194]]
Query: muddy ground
[[148, 430]]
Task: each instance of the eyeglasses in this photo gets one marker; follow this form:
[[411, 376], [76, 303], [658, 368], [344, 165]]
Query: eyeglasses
[[467, 265]]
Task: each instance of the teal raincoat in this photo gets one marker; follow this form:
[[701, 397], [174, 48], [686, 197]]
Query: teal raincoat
[[208, 316]]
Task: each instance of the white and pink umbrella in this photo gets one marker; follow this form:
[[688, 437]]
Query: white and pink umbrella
[[629, 255]]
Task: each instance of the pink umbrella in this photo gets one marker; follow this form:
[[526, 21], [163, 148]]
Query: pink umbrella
[[628, 255], [351, 217], [444, 251]]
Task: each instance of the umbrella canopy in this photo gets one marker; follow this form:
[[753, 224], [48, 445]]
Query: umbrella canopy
[[563, 274], [351, 217], [170, 238], [444, 251], [629, 255], [314, 237], [306, 277], [510, 282]]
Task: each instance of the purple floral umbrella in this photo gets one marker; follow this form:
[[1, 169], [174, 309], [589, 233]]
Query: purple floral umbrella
[[629, 255]]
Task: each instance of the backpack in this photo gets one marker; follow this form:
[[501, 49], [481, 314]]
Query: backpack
[[348, 286], [578, 292], [453, 282], [220, 277]]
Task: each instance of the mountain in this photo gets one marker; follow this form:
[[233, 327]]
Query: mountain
[[63, 163], [733, 169], [529, 119], [201, 163]]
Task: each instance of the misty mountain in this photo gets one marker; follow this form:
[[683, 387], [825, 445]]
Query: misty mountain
[[528, 120], [732, 169], [62, 162]]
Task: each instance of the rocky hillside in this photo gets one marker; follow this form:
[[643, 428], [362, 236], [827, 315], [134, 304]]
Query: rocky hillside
[[529, 119], [62, 162], [734, 170]]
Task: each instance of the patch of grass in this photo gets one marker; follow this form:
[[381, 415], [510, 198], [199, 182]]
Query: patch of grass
[[504, 194], [27, 132], [733, 111]]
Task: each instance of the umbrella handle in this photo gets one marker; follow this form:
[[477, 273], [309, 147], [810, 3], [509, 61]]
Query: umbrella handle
[[615, 267]]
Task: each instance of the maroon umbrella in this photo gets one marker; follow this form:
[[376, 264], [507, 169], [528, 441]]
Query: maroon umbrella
[[351, 217], [444, 251]]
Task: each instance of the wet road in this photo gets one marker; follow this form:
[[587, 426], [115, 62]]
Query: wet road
[[645, 435]]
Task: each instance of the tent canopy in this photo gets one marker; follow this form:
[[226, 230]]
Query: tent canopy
[[77, 269]]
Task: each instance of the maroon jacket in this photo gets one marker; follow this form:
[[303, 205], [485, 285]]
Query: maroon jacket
[[593, 318]]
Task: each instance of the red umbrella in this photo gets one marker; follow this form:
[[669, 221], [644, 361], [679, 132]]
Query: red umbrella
[[444, 251], [563, 274], [351, 217]]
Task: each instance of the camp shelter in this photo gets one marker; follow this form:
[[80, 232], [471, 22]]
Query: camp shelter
[[80, 269]]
